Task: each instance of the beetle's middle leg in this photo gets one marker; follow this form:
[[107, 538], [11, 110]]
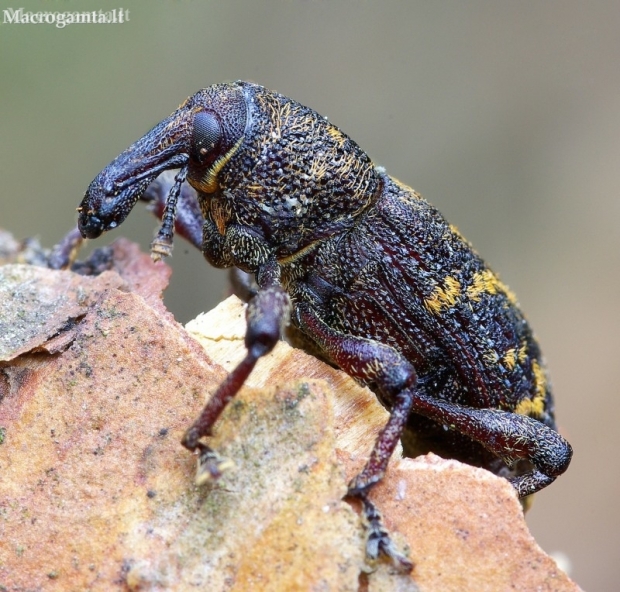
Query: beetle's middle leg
[[371, 361]]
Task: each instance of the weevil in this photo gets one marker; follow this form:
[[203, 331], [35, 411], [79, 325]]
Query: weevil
[[361, 265]]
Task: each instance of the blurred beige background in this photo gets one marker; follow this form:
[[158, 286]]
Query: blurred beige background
[[505, 115]]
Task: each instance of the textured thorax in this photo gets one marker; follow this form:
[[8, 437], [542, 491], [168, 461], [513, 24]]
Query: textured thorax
[[296, 176]]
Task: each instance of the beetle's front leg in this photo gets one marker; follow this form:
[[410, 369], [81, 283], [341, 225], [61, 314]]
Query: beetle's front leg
[[371, 362], [65, 252], [267, 314]]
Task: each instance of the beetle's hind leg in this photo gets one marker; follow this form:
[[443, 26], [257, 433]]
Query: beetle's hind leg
[[510, 436]]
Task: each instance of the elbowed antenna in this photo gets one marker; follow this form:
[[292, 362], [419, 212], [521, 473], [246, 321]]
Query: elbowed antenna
[[162, 243]]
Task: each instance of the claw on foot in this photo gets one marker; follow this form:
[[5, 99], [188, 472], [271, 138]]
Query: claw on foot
[[210, 466], [380, 543]]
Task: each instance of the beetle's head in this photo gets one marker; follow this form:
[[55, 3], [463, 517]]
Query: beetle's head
[[202, 133]]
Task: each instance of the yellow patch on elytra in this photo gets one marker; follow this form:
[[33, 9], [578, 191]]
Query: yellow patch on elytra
[[530, 407], [490, 357], [535, 406], [486, 282], [444, 297], [540, 379], [522, 355], [510, 358]]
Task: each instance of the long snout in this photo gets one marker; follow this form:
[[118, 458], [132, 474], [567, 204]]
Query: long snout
[[117, 188]]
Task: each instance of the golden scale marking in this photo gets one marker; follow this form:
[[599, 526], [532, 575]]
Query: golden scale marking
[[209, 184], [254, 190], [522, 355], [536, 405], [446, 295], [220, 214], [490, 357], [337, 135], [510, 358], [443, 298], [486, 282], [171, 130]]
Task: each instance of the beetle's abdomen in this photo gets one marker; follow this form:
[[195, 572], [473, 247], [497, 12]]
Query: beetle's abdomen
[[407, 278]]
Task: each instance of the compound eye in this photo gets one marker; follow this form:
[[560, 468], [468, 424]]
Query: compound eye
[[206, 135]]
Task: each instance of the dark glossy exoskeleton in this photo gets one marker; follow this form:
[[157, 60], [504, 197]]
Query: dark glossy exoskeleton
[[361, 265]]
